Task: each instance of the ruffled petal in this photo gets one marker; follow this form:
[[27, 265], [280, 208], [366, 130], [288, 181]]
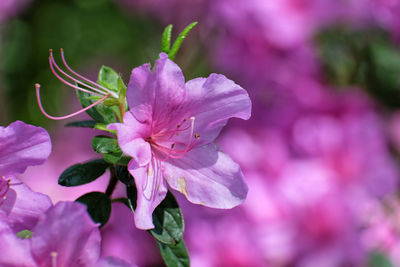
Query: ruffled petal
[[151, 190], [140, 93], [67, 235], [212, 101], [13, 250], [22, 206], [207, 176], [22, 145]]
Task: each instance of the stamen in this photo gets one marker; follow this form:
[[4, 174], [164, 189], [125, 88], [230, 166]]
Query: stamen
[[83, 78], [68, 83], [51, 58], [37, 86]]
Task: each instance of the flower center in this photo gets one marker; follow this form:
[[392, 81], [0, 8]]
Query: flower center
[[167, 135]]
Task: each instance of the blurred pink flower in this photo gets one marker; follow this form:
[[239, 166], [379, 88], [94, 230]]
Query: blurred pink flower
[[169, 132], [10, 8], [21, 145], [64, 236]]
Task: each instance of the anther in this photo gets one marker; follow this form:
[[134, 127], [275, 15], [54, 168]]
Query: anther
[[196, 135]]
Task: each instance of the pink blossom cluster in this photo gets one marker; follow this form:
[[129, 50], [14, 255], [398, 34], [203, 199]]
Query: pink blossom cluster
[[317, 161]]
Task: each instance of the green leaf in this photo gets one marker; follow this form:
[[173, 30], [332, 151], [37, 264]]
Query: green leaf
[[121, 88], [168, 221], [177, 44], [117, 158], [98, 206], [103, 127], [108, 78], [83, 173], [174, 255], [378, 259], [84, 124], [124, 176], [100, 113], [25, 234], [166, 39], [131, 193], [105, 144]]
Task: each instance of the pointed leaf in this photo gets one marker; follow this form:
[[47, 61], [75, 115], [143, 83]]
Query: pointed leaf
[[166, 39], [174, 255], [124, 176], [98, 206], [84, 124], [177, 44], [105, 144], [83, 173]]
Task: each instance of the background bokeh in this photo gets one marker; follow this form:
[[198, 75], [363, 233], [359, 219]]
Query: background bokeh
[[320, 154]]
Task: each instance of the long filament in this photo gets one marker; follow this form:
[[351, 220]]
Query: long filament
[[70, 77], [68, 83], [80, 76], [37, 86]]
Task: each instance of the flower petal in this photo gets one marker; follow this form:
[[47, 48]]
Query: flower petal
[[66, 234], [17, 250], [212, 101], [169, 93], [151, 190], [112, 262], [23, 206], [22, 145], [140, 93], [207, 176], [130, 138]]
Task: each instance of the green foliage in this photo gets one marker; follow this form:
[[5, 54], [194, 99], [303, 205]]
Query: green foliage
[[100, 113], [25, 234], [168, 221], [124, 176], [174, 255], [98, 206], [108, 78], [365, 58], [83, 124], [117, 158], [83, 173], [377, 259], [177, 44], [166, 39], [105, 144]]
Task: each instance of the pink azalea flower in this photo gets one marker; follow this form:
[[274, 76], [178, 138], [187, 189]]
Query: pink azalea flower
[[64, 236], [169, 132], [21, 145]]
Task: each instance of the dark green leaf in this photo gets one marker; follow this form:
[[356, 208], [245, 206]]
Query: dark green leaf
[[105, 144], [24, 234], [177, 44], [83, 173], [377, 259], [166, 39], [124, 176], [131, 193], [108, 78], [98, 206], [84, 124], [100, 113], [168, 221], [117, 158], [174, 255]]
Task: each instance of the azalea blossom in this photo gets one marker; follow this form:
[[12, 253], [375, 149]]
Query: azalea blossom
[[21, 145], [64, 236], [169, 133]]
